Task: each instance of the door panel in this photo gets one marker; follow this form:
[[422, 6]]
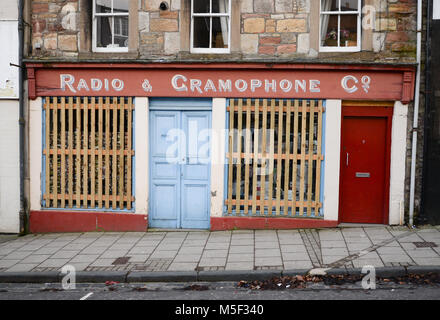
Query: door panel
[[165, 176], [180, 182], [194, 208], [363, 169], [196, 170], [165, 205], [163, 122]]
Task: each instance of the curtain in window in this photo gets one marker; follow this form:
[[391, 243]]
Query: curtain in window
[[224, 21], [325, 6]]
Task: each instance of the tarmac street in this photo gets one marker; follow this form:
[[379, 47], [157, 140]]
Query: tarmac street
[[178, 293]]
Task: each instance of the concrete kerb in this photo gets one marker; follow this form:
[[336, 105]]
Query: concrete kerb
[[194, 276], [101, 277], [30, 277], [231, 275], [422, 269], [162, 276]]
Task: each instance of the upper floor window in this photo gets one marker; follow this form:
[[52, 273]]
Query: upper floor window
[[340, 25], [210, 26], [110, 25]]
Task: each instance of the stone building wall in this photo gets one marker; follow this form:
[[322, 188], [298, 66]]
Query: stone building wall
[[273, 28], [55, 29], [267, 29]]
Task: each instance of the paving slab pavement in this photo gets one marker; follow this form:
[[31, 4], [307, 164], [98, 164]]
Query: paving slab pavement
[[242, 251]]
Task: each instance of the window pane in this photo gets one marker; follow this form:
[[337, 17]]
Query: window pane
[[329, 32], [330, 5], [348, 32], [201, 32], [220, 6], [349, 5], [103, 6], [220, 32], [120, 5], [121, 31], [103, 31], [201, 6]]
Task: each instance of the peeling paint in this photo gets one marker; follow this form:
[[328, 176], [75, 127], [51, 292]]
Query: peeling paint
[[7, 89]]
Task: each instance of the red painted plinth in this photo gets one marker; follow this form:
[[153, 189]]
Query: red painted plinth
[[81, 221], [229, 223]]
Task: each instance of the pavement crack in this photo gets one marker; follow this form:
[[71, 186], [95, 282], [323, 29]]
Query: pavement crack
[[312, 246], [360, 253]]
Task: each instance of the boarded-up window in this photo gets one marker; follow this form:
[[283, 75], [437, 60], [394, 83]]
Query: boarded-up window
[[88, 153], [274, 157]]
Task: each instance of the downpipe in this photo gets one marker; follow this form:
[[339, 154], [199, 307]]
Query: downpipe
[[21, 121], [416, 115], [427, 112]]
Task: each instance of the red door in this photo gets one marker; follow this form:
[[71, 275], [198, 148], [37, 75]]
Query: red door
[[364, 168]]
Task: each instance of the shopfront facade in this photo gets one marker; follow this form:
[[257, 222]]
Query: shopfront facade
[[220, 114], [126, 147]]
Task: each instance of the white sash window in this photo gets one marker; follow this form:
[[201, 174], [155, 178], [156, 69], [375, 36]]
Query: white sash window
[[110, 25], [210, 26], [340, 25]]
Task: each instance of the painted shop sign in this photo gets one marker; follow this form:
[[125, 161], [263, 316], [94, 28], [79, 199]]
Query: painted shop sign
[[330, 84]]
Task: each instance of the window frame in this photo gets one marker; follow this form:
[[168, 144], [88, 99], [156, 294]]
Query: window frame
[[210, 15], [95, 15], [338, 13]]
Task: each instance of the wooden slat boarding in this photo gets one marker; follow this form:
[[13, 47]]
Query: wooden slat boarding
[[231, 160], [107, 155], [121, 156], [55, 157], [303, 160], [129, 145], [100, 147], [47, 146], [287, 161], [92, 155], [298, 124], [295, 152], [256, 159], [88, 153], [263, 169], [310, 161], [63, 154], [70, 151], [318, 152], [271, 152], [279, 160], [239, 147], [114, 147], [85, 157], [247, 153]]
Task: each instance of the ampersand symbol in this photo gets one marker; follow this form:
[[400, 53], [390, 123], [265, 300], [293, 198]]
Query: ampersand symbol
[[147, 86]]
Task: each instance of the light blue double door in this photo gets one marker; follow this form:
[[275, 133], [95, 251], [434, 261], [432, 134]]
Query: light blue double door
[[180, 169]]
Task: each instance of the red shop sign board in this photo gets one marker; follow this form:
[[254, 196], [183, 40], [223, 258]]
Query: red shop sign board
[[223, 80]]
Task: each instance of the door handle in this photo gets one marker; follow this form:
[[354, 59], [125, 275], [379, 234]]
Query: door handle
[[346, 161]]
